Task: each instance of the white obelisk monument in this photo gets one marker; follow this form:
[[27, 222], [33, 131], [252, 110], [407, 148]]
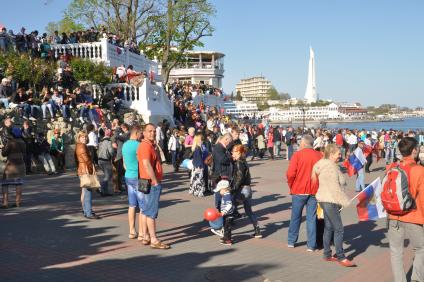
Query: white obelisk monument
[[311, 88]]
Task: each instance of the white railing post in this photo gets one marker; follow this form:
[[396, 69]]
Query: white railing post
[[105, 52]]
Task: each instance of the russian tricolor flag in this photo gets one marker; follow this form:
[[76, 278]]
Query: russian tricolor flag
[[355, 162], [369, 205]]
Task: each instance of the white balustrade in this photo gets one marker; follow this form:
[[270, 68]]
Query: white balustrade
[[111, 55], [149, 100]]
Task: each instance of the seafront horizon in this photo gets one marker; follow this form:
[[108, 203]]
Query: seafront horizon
[[405, 124]]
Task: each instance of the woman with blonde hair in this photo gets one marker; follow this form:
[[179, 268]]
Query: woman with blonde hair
[[199, 172], [240, 186], [331, 198], [84, 166]]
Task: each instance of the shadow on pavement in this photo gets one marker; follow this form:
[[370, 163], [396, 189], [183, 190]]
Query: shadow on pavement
[[361, 235]]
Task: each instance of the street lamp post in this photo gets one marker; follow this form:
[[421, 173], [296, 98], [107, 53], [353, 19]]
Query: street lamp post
[[303, 116]]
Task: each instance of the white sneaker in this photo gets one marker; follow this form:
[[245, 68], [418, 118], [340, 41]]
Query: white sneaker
[[81, 120], [219, 232], [32, 118]]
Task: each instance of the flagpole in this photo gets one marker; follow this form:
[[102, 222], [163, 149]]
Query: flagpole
[[360, 193], [351, 200]]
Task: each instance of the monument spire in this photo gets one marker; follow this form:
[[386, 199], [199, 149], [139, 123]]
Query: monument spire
[[311, 88]]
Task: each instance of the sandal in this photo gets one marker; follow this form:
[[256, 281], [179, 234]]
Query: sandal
[[132, 236], [145, 242], [159, 245]]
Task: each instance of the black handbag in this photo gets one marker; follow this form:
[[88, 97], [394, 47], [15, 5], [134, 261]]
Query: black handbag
[[144, 185]]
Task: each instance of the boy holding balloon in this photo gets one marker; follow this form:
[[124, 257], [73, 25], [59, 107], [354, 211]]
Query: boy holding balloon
[[221, 221]]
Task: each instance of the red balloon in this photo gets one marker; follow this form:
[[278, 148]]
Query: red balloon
[[211, 214]]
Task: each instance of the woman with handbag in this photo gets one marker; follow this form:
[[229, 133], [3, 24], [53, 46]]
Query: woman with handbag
[[332, 198], [240, 186], [198, 181], [14, 171], [87, 175]]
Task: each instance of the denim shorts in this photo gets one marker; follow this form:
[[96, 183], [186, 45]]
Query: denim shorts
[[135, 198], [150, 202]]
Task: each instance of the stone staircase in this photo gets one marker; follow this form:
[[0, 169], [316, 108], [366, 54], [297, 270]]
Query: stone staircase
[[68, 129]]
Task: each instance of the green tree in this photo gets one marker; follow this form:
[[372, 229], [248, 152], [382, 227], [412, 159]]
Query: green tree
[[66, 25], [272, 94], [84, 70], [285, 96], [129, 19], [238, 96], [180, 27], [28, 71]]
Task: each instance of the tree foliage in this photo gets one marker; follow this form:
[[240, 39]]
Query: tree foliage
[[272, 94], [66, 25], [238, 96], [84, 70], [29, 72], [180, 27], [285, 96], [129, 19]]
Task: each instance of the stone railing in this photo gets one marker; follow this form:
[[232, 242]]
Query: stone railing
[[111, 55], [149, 100]]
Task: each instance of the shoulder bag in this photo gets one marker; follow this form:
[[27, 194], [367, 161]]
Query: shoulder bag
[[89, 180], [145, 185]]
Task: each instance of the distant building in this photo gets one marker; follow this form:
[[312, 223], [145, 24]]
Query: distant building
[[240, 109], [253, 89], [200, 67]]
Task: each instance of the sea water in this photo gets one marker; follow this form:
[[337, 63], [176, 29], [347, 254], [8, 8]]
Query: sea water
[[416, 124]]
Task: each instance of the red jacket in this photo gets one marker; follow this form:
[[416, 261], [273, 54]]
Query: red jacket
[[300, 171]]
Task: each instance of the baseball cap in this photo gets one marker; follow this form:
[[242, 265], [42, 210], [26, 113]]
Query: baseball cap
[[222, 185]]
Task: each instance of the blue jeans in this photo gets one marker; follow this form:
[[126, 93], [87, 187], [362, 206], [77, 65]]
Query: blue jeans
[[66, 112], [389, 155], [150, 202], [298, 202], [86, 205], [247, 204], [277, 147], [5, 102], [174, 159], [333, 226], [26, 109], [135, 198], [84, 111], [289, 152], [360, 181], [45, 107]]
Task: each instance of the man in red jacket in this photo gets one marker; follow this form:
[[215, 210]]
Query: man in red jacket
[[303, 192]]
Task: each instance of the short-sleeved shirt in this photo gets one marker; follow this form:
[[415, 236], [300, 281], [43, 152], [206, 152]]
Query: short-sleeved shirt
[[147, 151], [129, 152]]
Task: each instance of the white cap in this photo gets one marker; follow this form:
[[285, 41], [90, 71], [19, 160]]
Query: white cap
[[222, 185]]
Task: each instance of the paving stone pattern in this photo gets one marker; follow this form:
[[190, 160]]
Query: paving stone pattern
[[48, 239]]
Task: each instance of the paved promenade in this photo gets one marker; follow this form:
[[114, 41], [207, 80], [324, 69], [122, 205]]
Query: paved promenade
[[49, 240]]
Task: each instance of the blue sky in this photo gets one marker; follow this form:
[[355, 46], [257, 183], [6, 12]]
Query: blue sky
[[366, 51]]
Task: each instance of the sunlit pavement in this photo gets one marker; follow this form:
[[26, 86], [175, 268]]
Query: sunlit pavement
[[48, 239]]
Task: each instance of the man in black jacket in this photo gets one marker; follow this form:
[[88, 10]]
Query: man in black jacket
[[222, 164]]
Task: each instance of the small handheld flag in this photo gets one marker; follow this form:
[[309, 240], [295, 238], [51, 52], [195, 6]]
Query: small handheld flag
[[369, 205]]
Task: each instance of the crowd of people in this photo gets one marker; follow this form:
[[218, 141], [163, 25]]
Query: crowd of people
[[217, 147], [40, 45]]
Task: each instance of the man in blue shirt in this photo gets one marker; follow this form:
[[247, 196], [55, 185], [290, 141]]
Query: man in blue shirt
[[129, 154]]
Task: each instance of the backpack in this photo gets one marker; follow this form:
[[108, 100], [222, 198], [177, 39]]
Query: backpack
[[395, 196]]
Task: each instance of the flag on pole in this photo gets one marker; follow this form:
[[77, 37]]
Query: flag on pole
[[369, 205]]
